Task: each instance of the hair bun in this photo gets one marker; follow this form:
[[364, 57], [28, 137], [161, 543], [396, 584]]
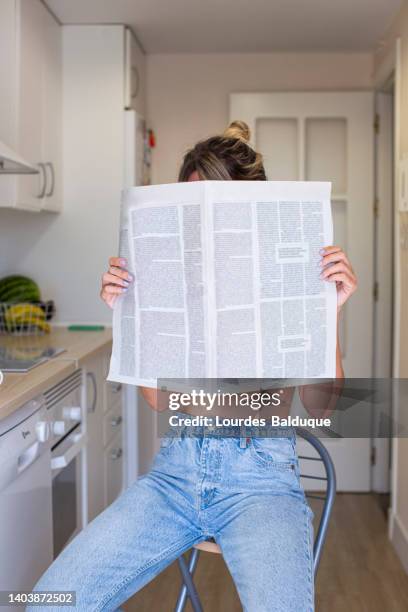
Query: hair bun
[[238, 130]]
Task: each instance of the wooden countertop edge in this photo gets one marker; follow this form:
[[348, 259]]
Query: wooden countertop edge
[[17, 389]]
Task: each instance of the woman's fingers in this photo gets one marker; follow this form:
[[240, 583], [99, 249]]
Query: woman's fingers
[[120, 273], [334, 257], [342, 277], [337, 267], [113, 289], [113, 279], [119, 262], [330, 249]]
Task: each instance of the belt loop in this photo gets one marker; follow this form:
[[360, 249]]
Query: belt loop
[[243, 437]]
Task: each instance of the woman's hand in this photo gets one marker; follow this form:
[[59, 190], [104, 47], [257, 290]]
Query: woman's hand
[[115, 281], [336, 268]]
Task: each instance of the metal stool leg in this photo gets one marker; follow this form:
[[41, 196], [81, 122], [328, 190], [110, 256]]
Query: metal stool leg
[[188, 589]]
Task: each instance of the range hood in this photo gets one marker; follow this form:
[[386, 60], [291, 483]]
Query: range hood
[[12, 163]]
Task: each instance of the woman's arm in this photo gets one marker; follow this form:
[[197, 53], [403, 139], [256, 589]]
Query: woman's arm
[[320, 400], [339, 359]]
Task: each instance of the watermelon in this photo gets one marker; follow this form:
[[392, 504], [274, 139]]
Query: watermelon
[[16, 288]]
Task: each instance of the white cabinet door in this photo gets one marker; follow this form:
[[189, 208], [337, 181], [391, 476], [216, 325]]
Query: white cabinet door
[[30, 28], [8, 72], [31, 118], [52, 113], [134, 74]]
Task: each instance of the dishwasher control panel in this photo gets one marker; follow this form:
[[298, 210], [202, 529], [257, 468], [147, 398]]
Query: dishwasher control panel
[[63, 402]]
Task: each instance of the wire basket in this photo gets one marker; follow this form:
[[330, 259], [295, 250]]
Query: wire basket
[[26, 318]]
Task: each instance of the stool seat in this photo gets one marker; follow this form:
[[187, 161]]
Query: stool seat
[[209, 546]]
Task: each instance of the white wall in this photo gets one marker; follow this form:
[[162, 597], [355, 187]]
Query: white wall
[[67, 253], [399, 511], [187, 94]]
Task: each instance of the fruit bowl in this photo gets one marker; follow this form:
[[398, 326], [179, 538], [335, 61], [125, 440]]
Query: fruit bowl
[[22, 311], [26, 318]]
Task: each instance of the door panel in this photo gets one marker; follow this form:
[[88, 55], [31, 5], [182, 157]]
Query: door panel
[[326, 152], [282, 160]]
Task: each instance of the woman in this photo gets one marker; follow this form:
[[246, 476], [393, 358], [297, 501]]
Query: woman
[[243, 492]]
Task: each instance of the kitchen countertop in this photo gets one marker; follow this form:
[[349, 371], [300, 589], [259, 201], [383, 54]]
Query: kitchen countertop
[[17, 389]]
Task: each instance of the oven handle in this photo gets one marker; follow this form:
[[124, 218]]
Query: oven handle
[[61, 461], [92, 378]]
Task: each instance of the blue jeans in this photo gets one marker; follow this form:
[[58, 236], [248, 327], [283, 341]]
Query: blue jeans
[[243, 492]]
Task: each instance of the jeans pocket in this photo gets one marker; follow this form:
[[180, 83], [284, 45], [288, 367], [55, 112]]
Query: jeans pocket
[[274, 452]]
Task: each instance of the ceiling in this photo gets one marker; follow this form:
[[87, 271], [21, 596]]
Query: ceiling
[[202, 26]]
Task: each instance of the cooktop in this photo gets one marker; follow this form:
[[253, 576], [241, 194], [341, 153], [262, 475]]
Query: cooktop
[[24, 358]]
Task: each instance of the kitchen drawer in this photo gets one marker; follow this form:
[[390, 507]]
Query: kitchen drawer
[[112, 423], [112, 390], [113, 394], [113, 467]]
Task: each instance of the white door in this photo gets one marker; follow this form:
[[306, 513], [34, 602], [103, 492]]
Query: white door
[[329, 137]]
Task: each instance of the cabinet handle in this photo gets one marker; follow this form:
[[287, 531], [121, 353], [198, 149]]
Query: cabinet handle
[[51, 189], [116, 422], [44, 181], [92, 378], [116, 454], [116, 387]]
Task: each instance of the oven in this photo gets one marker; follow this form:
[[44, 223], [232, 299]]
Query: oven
[[68, 460]]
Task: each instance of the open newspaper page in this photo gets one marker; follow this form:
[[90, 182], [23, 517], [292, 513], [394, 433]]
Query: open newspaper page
[[227, 283], [158, 326], [274, 317]]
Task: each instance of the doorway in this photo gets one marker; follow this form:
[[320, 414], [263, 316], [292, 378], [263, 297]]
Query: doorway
[[335, 136]]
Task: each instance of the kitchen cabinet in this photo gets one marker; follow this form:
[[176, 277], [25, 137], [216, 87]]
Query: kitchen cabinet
[[112, 423], [113, 437], [52, 115], [30, 101], [135, 74], [113, 468], [104, 431], [32, 53]]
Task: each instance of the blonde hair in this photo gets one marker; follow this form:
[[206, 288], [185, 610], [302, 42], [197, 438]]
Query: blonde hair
[[225, 157], [238, 130]]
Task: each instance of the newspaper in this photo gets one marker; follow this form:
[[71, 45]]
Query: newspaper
[[226, 282]]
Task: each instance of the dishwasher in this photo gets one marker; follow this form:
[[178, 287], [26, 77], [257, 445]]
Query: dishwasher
[[26, 539]]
